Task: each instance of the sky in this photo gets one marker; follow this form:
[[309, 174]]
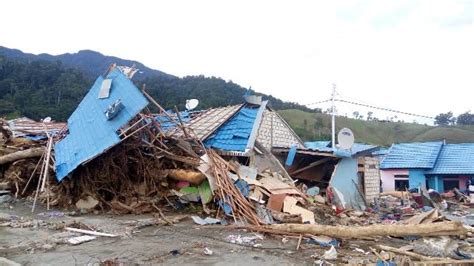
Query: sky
[[409, 55]]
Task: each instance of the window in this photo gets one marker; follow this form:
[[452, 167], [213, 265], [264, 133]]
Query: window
[[401, 182], [401, 185], [450, 184]]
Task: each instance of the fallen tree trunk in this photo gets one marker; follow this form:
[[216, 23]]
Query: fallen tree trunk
[[12, 157], [192, 177], [433, 229], [407, 253]]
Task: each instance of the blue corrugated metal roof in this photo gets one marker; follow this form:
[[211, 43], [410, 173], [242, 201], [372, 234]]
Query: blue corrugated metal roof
[[323, 146], [455, 159], [167, 124], [412, 155], [318, 145], [235, 133], [90, 133]]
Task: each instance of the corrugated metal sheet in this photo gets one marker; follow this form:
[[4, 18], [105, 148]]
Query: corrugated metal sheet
[[235, 133], [210, 120], [26, 127], [319, 146], [90, 133], [455, 159], [412, 155], [323, 146]]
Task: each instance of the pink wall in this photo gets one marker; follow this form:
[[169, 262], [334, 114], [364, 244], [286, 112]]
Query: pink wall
[[388, 178], [462, 181]]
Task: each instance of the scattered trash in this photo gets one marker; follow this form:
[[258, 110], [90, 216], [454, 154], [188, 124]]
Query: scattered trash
[[51, 214], [80, 239], [244, 240], [207, 220], [175, 252], [312, 191], [6, 199], [208, 252], [330, 254], [323, 241]]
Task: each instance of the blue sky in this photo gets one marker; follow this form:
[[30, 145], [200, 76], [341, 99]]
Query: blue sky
[[415, 55]]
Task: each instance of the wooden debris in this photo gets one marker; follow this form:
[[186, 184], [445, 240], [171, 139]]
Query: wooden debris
[[286, 218], [89, 232], [423, 218], [433, 229], [289, 206], [190, 176], [29, 153]]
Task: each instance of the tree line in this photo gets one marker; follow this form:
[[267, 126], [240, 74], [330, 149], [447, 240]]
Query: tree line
[[447, 119], [38, 89]]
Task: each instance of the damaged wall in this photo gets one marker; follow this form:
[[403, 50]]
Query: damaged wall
[[343, 182], [371, 177]]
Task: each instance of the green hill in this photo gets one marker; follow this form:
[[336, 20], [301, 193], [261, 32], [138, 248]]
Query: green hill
[[316, 126]]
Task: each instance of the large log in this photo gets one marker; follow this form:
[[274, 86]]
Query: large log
[[433, 229], [12, 157]]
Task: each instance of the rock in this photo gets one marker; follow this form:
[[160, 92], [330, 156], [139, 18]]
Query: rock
[[87, 203]]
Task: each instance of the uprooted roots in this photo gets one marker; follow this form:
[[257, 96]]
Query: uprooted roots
[[128, 178]]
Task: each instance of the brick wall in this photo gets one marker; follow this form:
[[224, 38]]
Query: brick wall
[[371, 177], [283, 135]]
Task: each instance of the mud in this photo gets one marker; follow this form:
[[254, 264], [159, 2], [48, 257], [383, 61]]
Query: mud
[[182, 243]]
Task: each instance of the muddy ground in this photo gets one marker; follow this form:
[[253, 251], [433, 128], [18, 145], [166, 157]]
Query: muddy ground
[[42, 242]]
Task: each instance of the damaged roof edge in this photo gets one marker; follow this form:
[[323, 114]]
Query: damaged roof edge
[[256, 126], [90, 132]]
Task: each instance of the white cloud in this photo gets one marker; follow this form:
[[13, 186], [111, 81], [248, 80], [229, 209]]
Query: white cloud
[[409, 55]]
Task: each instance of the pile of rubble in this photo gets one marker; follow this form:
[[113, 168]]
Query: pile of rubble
[[149, 162]]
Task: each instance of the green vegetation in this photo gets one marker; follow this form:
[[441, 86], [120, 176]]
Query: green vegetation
[[318, 127], [48, 87], [41, 88]]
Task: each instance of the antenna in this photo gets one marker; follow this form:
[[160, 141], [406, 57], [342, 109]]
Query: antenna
[[333, 121], [191, 104], [345, 138]]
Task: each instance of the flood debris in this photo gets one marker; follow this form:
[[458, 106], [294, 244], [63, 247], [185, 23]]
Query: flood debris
[[122, 153]]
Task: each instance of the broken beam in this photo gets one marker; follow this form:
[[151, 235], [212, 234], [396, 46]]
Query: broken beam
[[311, 165], [12, 157]]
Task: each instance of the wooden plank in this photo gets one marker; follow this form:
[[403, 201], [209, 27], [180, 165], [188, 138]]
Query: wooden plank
[[88, 232]]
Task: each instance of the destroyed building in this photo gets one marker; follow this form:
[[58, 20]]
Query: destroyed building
[[350, 177]]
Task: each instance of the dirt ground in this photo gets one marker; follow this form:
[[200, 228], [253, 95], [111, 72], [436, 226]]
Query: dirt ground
[[41, 243]]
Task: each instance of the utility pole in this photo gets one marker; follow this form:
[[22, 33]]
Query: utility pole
[[333, 111]]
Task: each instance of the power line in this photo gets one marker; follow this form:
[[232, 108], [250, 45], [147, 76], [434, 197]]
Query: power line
[[383, 109], [372, 106], [325, 101]]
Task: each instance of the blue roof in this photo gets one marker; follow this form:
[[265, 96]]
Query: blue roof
[[455, 159], [324, 146], [412, 155], [90, 133], [234, 134], [167, 124]]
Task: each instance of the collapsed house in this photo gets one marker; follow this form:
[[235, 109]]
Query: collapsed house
[[246, 132], [349, 178], [24, 127], [428, 165]]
